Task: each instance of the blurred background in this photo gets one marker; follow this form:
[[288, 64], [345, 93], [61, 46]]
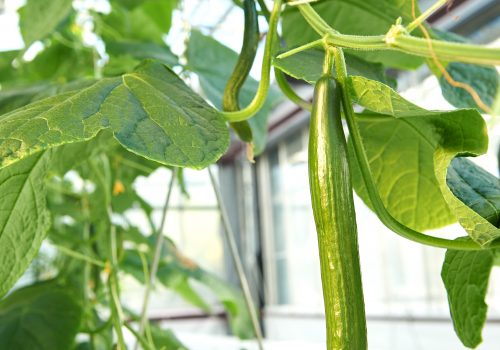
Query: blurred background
[[269, 206]]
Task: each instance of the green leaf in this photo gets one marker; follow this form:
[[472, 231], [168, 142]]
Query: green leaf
[[42, 316], [6, 68], [409, 150], [357, 17], [39, 18], [483, 79], [16, 97], [126, 167], [214, 63], [307, 65], [141, 51], [11, 99], [125, 56], [149, 21], [231, 298], [165, 339], [24, 219], [234, 303], [151, 112], [168, 276], [175, 267], [55, 65], [475, 199], [59, 63], [465, 275]]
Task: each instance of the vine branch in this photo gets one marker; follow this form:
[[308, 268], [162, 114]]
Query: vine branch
[[378, 206], [398, 39], [156, 257], [229, 235]]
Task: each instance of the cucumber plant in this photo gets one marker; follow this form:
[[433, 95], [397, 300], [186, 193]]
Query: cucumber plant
[[117, 109]]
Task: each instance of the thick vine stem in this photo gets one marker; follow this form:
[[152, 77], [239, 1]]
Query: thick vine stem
[[398, 39], [377, 204], [265, 79]]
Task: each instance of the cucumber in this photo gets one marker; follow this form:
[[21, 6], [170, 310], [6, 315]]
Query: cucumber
[[251, 37], [335, 219]]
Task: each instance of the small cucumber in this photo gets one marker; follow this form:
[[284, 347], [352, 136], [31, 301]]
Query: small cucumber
[[251, 37]]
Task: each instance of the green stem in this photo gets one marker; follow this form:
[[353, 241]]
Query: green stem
[[116, 309], [397, 39], [260, 96], [427, 13], [79, 256], [135, 165], [157, 255], [311, 45], [144, 343], [264, 9], [315, 20], [289, 92], [145, 271], [377, 204], [233, 248], [447, 51]]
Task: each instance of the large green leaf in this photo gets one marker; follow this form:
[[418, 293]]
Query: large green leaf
[[465, 275], [308, 65], [214, 63], [24, 219], [150, 111], [39, 18], [483, 79], [42, 317], [409, 150], [358, 17]]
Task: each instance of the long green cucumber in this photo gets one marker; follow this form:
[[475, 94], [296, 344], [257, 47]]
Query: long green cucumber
[[333, 207], [251, 37]]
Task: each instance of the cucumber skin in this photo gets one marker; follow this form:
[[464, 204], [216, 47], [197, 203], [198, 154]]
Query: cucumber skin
[[335, 219], [230, 98]]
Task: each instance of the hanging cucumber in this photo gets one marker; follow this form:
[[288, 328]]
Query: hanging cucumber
[[333, 208], [251, 38]]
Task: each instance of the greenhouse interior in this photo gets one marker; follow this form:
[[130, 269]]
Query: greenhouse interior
[[120, 239]]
